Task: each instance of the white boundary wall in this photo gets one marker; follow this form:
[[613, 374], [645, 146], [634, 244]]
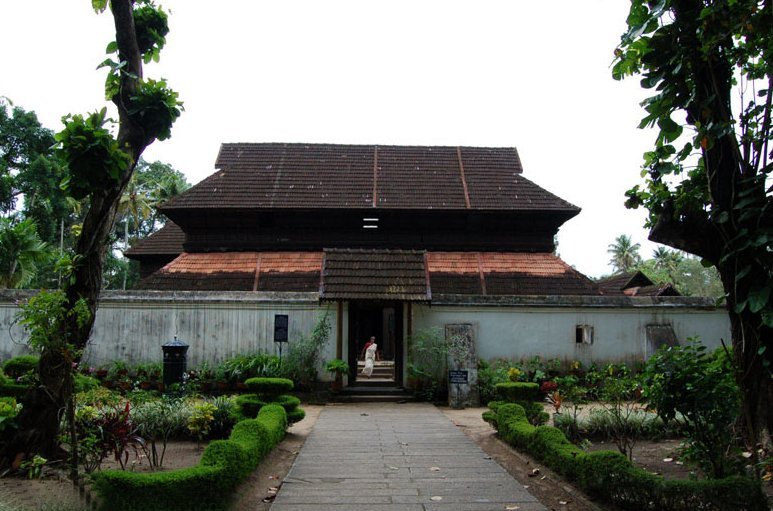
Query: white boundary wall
[[523, 330], [132, 325]]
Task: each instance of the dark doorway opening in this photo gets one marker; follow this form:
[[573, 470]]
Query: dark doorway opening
[[384, 321]]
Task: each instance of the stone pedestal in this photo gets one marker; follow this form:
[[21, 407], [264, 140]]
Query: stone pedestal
[[462, 361]]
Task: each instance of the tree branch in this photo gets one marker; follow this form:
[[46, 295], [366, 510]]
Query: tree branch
[[694, 235]]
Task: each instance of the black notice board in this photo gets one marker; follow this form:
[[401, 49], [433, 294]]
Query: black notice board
[[458, 377], [280, 327]]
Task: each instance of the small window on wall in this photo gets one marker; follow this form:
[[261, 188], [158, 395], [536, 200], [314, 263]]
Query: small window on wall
[[583, 334]]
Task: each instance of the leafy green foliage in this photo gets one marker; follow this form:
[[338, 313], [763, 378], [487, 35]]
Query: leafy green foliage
[[303, 361], [518, 391], [151, 26], [24, 144], [93, 157], [697, 386], [269, 387], [21, 365], [155, 107], [428, 363], [158, 421], [42, 317], [611, 477], [200, 420], [9, 409], [337, 366], [489, 374], [208, 486], [625, 254], [707, 177], [21, 252]]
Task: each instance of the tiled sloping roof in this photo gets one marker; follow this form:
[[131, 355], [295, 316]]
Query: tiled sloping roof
[[312, 176], [653, 290], [239, 271], [166, 241], [635, 283], [375, 275], [515, 273]]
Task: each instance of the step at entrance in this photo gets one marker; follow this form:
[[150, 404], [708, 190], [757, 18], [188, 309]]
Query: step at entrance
[[372, 392], [382, 372]]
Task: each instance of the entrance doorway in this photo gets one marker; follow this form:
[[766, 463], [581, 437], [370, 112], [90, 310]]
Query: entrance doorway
[[384, 321]]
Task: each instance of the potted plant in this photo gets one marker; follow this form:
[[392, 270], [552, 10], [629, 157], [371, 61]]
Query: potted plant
[[339, 368]]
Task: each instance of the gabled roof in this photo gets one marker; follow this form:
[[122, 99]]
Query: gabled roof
[[635, 283], [166, 241], [312, 176], [374, 275], [614, 284]]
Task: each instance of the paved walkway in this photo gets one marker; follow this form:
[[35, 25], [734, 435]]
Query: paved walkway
[[408, 457]]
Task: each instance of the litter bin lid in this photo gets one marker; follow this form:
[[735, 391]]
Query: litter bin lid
[[176, 343]]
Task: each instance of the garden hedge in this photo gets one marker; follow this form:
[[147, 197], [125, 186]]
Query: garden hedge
[[269, 387], [21, 365], [612, 477], [518, 391], [208, 486]]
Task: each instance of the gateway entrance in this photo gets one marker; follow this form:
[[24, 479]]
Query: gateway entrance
[[384, 321]]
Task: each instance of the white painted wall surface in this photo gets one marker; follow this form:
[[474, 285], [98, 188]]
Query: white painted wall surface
[[132, 329], [132, 326], [619, 333]]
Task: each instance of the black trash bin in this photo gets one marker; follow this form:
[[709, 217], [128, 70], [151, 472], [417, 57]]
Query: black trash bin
[[175, 361]]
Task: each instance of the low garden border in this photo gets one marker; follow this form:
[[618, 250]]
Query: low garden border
[[610, 476], [208, 486]]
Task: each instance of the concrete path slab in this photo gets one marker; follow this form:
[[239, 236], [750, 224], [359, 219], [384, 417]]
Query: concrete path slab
[[389, 457]]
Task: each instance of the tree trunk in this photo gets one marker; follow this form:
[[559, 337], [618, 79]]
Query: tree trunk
[[40, 417], [749, 335]]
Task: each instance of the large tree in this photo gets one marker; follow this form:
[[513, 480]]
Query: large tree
[[99, 166], [710, 65]]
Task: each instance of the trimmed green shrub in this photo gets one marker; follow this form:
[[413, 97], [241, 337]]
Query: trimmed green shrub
[[296, 415], [518, 391], [208, 486], [266, 387], [270, 390], [19, 366], [612, 477], [287, 401], [13, 390], [85, 383], [550, 445], [249, 405]]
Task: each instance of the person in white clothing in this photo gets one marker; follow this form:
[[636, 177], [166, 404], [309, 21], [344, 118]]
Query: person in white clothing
[[371, 354]]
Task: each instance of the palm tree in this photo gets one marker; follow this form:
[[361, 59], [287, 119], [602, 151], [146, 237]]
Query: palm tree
[[625, 254], [20, 252], [667, 260], [134, 205]]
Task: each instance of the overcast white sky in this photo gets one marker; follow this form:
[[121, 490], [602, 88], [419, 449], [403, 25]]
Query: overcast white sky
[[534, 75]]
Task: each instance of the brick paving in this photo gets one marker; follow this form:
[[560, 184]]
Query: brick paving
[[388, 456]]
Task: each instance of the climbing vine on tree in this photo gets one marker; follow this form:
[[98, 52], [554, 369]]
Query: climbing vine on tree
[[100, 155], [710, 67]]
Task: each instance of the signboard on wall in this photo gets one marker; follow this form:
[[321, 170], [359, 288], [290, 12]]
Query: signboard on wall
[[280, 327]]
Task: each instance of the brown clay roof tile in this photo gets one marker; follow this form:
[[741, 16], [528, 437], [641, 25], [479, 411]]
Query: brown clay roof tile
[[308, 176], [374, 274], [166, 241]]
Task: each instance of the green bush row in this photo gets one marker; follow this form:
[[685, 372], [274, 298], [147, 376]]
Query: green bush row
[[611, 476], [208, 486], [518, 391], [20, 365]]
